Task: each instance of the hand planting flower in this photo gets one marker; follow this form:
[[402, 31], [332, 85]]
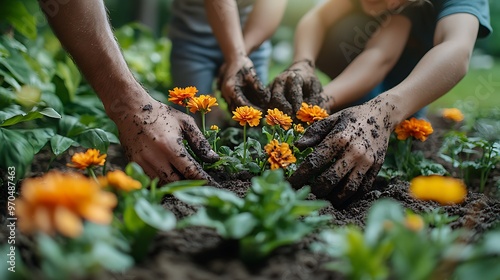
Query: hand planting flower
[[309, 113], [280, 155], [444, 190], [181, 96], [453, 114], [57, 202]]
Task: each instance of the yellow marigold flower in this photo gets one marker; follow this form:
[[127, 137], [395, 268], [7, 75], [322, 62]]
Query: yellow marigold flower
[[119, 180], [299, 128], [214, 127], [419, 129], [57, 202], [309, 113], [453, 114], [90, 158], [445, 190], [247, 115], [414, 222], [280, 155], [181, 96], [276, 117], [202, 103]]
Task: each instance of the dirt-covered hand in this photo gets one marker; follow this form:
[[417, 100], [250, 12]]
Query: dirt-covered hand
[[152, 136], [349, 149], [295, 85], [240, 85]]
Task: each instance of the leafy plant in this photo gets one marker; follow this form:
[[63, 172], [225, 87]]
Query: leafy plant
[[271, 214], [471, 155]]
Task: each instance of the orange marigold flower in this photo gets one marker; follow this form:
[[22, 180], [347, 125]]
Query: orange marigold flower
[[453, 114], [445, 190], [299, 128], [119, 180], [309, 113], [90, 158], [419, 129], [280, 155], [247, 115], [414, 222], [276, 117], [57, 202], [181, 96], [214, 127], [202, 103]]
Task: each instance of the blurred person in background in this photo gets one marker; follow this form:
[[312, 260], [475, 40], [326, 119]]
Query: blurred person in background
[[226, 40], [387, 59]]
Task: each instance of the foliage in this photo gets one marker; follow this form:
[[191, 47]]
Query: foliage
[[389, 248], [271, 214], [471, 155]]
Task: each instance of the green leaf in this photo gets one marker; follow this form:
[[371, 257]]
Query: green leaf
[[24, 117], [381, 211], [37, 137], [19, 17], [93, 138], [117, 261], [51, 113], [170, 188], [208, 196], [155, 215], [240, 225], [59, 144], [135, 171], [15, 151]]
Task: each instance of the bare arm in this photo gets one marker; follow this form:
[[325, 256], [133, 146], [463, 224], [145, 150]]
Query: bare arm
[[440, 69], [313, 26], [262, 22], [150, 132], [370, 67]]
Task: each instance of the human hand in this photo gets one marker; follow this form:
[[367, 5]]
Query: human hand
[[295, 85], [240, 85], [350, 149], [152, 136]]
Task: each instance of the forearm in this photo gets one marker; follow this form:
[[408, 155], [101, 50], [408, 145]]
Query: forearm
[[224, 19], [262, 22], [84, 31], [437, 73], [359, 78]]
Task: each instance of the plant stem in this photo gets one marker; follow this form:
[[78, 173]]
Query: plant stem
[[203, 123], [244, 143], [91, 173]]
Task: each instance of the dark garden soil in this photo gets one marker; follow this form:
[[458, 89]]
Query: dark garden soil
[[199, 253]]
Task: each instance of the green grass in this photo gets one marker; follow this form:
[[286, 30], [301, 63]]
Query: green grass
[[479, 90]]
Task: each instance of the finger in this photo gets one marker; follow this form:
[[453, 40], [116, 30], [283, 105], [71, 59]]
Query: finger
[[329, 180], [156, 167], [256, 92], [319, 130], [312, 93], [370, 177], [278, 99], [319, 160], [235, 98], [293, 93], [197, 142], [348, 187]]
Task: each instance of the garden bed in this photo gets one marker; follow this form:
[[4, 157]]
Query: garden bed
[[200, 253]]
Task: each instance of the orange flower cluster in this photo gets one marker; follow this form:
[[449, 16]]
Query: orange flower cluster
[[444, 190], [90, 158], [57, 202], [419, 129], [181, 96], [453, 114], [247, 115], [280, 155], [277, 117], [309, 113], [201, 103], [119, 180]]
